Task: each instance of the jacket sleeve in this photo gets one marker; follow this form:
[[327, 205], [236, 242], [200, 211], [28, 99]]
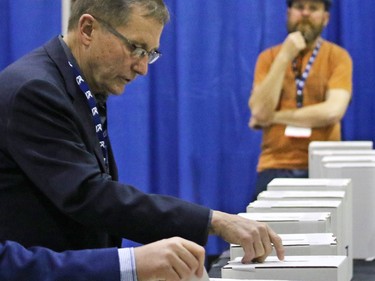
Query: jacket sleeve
[[37, 263], [52, 139]]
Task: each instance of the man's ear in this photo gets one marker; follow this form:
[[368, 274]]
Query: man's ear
[[326, 18], [86, 25]]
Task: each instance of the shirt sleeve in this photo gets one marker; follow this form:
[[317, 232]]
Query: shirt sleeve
[[128, 268]]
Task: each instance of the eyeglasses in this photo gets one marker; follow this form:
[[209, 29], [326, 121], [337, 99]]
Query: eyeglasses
[[135, 50]]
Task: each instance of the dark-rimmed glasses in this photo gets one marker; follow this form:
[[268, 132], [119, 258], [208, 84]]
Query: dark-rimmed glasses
[[135, 50]]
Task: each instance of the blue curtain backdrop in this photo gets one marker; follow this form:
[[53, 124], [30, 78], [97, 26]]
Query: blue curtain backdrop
[[182, 130]]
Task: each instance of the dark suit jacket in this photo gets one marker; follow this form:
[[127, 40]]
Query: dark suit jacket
[[41, 264], [54, 191]]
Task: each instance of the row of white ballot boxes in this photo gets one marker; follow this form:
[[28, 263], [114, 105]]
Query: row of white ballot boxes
[[354, 160], [313, 219]]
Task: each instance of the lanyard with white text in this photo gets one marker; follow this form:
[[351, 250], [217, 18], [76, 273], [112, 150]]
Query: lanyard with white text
[[101, 130], [300, 81]]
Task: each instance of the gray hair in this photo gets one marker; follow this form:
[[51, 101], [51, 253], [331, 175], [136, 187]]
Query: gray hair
[[117, 12]]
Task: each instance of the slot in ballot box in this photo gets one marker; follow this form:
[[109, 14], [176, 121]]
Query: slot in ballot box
[[306, 244], [363, 180], [293, 222], [334, 207], [308, 268], [316, 158]]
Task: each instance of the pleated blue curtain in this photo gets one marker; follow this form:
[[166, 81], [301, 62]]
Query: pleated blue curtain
[[25, 25], [182, 129]]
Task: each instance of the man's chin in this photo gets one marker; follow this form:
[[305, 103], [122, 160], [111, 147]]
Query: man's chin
[[117, 91]]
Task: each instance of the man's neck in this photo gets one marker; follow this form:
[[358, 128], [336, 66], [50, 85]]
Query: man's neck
[[310, 47]]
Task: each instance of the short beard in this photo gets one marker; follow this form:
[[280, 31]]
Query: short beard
[[309, 31]]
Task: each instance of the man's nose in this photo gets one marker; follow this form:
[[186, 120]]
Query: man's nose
[[306, 11], [141, 66]]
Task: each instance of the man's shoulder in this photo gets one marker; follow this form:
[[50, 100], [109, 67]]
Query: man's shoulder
[[32, 62], [270, 51], [36, 65], [334, 47]]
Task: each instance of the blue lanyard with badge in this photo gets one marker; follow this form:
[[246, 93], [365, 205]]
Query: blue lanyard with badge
[[301, 132], [101, 129]]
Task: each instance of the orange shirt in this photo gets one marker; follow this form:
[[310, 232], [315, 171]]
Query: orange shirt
[[332, 69]]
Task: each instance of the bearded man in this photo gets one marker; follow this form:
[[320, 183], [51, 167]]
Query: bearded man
[[300, 93]]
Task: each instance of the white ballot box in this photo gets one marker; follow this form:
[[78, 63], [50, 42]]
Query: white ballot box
[[339, 183], [363, 180], [333, 206], [334, 145], [306, 244], [295, 186], [319, 145], [319, 185], [310, 184], [325, 195], [308, 268], [297, 222], [317, 156], [302, 195]]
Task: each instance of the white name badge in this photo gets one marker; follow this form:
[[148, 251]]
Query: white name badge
[[297, 132]]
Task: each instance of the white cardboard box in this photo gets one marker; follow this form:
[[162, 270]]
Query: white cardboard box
[[332, 206], [317, 156], [301, 195], [307, 244], [333, 183], [363, 180], [321, 185], [334, 145], [297, 222], [310, 184], [308, 268], [325, 195], [318, 145]]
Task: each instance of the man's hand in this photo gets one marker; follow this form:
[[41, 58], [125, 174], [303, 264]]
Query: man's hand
[[255, 238], [293, 45], [173, 259]]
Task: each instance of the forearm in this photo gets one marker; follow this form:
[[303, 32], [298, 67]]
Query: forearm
[[318, 115], [265, 96], [38, 263], [313, 116]]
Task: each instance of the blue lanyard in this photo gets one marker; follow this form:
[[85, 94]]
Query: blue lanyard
[[300, 81], [101, 129]]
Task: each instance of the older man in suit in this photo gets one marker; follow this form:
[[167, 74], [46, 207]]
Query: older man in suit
[[58, 177]]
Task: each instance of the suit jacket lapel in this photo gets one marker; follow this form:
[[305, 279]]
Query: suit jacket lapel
[[79, 101]]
